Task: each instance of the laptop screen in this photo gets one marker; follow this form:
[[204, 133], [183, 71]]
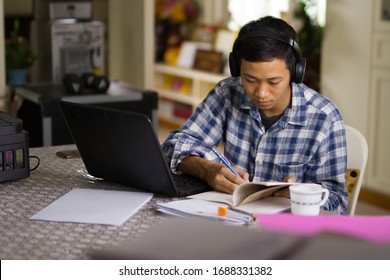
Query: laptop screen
[[119, 146]]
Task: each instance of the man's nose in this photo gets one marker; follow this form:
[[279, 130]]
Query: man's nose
[[261, 91]]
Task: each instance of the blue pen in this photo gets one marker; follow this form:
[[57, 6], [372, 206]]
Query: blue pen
[[226, 162]]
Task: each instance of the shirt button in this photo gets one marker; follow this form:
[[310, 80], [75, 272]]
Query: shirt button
[[259, 161]]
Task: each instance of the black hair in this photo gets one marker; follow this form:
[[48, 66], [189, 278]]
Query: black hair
[[263, 48]]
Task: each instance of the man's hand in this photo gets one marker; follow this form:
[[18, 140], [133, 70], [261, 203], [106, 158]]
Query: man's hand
[[285, 192], [217, 175]]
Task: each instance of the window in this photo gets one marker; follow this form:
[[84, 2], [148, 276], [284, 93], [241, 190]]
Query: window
[[243, 11]]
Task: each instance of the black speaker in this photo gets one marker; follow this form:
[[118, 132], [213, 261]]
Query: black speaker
[[300, 64]]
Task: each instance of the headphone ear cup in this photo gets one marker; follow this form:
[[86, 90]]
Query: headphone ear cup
[[97, 83], [72, 83], [88, 79], [234, 65], [299, 73], [100, 84]]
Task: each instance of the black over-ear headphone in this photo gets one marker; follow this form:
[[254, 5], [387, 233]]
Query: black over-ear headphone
[[76, 84], [300, 65]]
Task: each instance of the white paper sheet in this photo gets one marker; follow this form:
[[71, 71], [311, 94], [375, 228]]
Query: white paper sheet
[[94, 207], [191, 208]]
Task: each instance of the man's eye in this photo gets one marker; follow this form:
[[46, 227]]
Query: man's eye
[[273, 83], [250, 81]]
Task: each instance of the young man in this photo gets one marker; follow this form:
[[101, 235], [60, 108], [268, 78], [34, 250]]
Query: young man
[[273, 127]]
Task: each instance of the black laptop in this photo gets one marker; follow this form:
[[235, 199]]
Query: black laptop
[[122, 147]]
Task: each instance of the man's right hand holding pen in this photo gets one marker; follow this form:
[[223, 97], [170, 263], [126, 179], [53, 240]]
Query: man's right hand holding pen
[[218, 175]]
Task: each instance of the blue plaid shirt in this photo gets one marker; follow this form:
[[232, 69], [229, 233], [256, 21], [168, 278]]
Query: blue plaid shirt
[[307, 142]]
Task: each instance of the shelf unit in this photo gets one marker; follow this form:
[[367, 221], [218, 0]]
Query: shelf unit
[[181, 90]]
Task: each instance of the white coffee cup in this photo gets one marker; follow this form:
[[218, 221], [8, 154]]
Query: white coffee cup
[[306, 199]]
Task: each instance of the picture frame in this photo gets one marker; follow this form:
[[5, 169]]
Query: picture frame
[[187, 53], [208, 60], [224, 40], [203, 33]]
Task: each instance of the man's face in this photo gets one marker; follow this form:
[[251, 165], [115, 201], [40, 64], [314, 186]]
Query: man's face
[[267, 84]]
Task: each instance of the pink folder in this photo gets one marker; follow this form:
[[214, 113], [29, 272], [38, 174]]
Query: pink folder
[[371, 228]]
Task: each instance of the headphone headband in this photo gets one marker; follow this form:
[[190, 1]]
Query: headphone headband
[[300, 66], [267, 34]]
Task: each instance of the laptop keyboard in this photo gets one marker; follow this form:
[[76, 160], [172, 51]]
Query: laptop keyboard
[[187, 185]]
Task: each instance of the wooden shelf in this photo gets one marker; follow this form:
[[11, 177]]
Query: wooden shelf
[[182, 85]]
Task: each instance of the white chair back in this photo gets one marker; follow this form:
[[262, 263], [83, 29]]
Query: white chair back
[[357, 154]]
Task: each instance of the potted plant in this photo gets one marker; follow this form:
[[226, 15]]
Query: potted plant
[[18, 57]]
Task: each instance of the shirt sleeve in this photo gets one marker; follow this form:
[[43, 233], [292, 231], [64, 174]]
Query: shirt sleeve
[[200, 133], [332, 167]]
